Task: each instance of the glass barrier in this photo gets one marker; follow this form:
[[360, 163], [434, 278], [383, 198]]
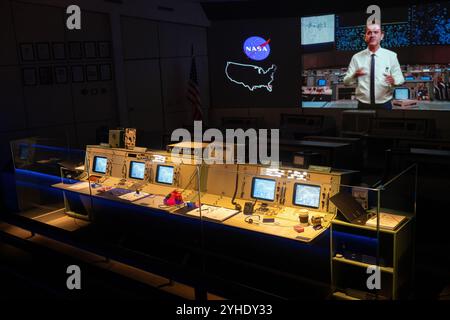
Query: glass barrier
[[372, 242], [227, 226], [268, 223], [38, 165]]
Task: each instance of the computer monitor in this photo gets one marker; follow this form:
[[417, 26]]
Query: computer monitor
[[100, 164], [164, 174], [263, 189], [306, 195], [426, 78], [137, 170], [23, 152], [410, 78], [321, 82], [401, 93]]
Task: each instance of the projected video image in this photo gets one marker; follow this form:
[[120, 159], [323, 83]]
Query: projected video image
[[306, 195], [137, 170], [100, 164], [413, 73], [319, 29], [164, 174], [263, 189]]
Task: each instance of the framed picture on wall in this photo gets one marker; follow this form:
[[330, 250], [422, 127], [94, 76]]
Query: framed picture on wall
[[91, 73], [90, 50], [105, 72], [61, 74], [104, 49], [43, 51], [59, 50], [45, 76], [75, 51], [29, 77], [77, 74], [26, 52]]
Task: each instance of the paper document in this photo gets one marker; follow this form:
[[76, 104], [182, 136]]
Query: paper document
[[387, 221], [213, 213], [133, 196], [79, 186]]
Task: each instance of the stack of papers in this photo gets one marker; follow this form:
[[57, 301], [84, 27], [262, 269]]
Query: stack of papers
[[133, 196], [213, 213], [79, 186], [387, 221]]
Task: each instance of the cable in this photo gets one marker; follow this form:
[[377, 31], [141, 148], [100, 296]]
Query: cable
[[237, 206]]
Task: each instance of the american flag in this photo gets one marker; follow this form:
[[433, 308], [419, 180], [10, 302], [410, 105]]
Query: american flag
[[193, 92]]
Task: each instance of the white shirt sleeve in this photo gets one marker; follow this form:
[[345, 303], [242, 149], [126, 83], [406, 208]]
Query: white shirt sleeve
[[396, 71], [348, 79]]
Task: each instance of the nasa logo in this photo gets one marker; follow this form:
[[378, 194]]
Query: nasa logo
[[257, 48], [254, 49]]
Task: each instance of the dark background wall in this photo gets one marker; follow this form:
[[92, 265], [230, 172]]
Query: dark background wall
[[225, 43], [150, 59], [151, 49], [231, 100]]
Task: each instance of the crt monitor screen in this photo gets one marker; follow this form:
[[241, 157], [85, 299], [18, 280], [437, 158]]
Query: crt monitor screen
[[23, 151], [410, 78], [137, 170], [306, 195], [100, 164], [401, 93], [425, 78], [321, 82], [164, 174], [318, 29], [263, 189]]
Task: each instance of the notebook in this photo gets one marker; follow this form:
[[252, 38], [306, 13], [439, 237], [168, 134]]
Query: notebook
[[350, 208], [213, 213]]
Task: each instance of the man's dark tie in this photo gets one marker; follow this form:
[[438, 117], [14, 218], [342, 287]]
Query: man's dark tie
[[372, 80]]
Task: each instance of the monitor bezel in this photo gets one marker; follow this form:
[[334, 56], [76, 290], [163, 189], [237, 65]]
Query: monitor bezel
[[294, 194], [253, 189], [402, 88], [157, 174], [94, 165], [131, 167]]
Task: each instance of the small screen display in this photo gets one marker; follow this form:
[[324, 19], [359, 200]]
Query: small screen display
[[318, 29], [263, 189], [100, 164], [306, 195], [409, 78], [164, 174], [321, 82], [425, 78], [137, 170], [401, 93], [23, 152]]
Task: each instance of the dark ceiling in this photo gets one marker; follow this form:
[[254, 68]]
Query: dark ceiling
[[227, 10]]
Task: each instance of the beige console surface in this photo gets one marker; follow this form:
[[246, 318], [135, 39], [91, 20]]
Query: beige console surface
[[285, 218]]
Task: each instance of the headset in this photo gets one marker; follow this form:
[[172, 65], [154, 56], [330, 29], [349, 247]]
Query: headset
[[250, 219]]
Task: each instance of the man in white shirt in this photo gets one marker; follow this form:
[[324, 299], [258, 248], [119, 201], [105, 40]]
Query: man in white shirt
[[375, 71]]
